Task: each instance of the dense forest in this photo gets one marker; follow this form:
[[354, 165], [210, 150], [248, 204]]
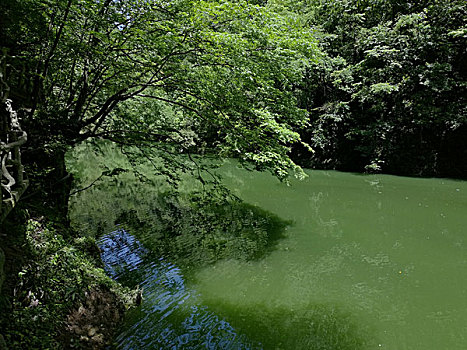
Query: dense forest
[[389, 91], [373, 86]]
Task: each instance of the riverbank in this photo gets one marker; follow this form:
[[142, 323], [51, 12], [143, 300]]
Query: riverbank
[[56, 294]]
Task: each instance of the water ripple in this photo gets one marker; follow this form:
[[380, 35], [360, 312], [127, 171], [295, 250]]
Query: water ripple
[[170, 317]]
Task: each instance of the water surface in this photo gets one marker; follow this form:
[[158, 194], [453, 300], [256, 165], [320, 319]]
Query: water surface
[[363, 262], [388, 250]]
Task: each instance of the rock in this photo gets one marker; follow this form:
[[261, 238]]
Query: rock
[[94, 321]]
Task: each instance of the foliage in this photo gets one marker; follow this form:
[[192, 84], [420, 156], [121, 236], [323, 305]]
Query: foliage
[[53, 279], [390, 91], [229, 69]]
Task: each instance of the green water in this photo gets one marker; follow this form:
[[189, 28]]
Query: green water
[[361, 262], [387, 250]]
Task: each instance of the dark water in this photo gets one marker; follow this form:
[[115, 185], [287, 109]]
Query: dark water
[[338, 261]]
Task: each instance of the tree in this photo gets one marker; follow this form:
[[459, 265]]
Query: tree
[[227, 69], [390, 92]]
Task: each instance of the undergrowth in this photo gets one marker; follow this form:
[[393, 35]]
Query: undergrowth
[[56, 277]]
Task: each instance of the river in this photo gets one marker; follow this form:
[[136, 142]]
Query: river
[[354, 262]]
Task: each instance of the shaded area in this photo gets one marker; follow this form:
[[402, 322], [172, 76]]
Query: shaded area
[[194, 234], [189, 231], [389, 93], [193, 225], [315, 327]]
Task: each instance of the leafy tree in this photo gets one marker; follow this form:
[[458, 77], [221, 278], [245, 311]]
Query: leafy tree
[[229, 65], [390, 92], [224, 70]]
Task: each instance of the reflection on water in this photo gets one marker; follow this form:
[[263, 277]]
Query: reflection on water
[[369, 262], [170, 317], [308, 327]]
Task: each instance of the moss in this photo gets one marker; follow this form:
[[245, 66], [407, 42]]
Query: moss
[[62, 298]]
